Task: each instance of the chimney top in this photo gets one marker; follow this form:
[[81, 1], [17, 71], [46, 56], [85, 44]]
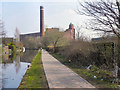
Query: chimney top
[[41, 7]]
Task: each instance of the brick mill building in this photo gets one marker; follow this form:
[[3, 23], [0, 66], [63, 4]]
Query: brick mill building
[[70, 32]]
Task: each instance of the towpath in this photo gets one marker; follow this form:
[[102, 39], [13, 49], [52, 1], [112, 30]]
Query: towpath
[[60, 76]]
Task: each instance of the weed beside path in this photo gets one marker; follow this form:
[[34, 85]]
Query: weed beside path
[[35, 76], [86, 74]]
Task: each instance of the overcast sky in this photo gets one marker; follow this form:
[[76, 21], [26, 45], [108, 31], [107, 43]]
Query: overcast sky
[[25, 15]]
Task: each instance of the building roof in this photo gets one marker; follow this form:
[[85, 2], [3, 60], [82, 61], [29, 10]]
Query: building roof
[[71, 23]]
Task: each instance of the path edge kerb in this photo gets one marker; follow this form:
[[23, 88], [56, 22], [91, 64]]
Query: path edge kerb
[[44, 70]]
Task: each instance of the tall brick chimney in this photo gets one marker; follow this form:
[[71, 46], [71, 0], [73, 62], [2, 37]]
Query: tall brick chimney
[[42, 21]]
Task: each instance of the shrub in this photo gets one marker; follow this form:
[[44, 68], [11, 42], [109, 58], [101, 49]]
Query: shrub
[[86, 53]]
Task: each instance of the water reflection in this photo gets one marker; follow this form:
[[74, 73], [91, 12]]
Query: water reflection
[[11, 77], [14, 68]]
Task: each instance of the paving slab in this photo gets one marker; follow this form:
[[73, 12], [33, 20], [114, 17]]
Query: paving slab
[[60, 76]]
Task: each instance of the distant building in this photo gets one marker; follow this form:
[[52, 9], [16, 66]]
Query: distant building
[[38, 34], [105, 39], [22, 36], [50, 29], [70, 32]]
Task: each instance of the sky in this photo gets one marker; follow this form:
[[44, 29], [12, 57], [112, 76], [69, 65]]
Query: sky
[[25, 15]]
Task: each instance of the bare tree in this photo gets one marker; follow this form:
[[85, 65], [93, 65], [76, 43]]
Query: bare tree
[[2, 30], [79, 33], [106, 15], [17, 35]]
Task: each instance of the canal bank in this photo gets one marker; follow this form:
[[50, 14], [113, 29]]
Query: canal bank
[[35, 76], [15, 67]]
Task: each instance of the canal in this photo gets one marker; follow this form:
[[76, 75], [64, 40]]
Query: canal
[[14, 68]]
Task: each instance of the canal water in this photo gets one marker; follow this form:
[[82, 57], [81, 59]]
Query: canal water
[[14, 68]]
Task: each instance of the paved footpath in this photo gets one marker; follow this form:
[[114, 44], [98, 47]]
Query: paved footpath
[[60, 76]]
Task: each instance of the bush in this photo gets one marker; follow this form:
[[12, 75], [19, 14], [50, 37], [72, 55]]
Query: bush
[[84, 53], [78, 52]]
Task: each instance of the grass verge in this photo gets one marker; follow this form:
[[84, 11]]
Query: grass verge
[[35, 76], [86, 74]]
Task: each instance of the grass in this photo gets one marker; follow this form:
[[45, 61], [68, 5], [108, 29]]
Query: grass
[[35, 76], [87, 74]]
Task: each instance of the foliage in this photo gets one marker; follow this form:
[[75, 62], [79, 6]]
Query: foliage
[[53, 39], [13, 47], [32, 42], [78, 52]]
